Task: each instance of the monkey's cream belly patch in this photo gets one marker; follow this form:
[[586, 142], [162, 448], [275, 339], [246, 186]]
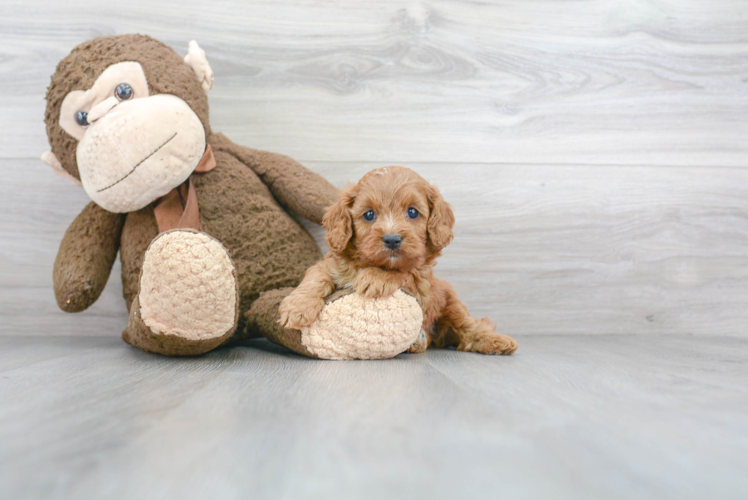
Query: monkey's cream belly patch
[[187, 287], [354, 327]]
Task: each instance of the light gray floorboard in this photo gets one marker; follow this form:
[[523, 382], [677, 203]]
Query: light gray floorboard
[[603, 417]]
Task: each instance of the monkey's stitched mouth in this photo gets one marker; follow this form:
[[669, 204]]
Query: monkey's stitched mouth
[[139, 164]]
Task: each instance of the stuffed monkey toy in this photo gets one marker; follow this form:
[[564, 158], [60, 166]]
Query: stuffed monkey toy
[[204, 229]]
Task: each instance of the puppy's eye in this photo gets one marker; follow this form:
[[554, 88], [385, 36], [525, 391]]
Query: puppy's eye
[[81, 118], [370, 215], [123, 92], [413, 213]]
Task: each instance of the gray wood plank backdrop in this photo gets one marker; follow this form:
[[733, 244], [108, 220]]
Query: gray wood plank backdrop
[[595, 152]]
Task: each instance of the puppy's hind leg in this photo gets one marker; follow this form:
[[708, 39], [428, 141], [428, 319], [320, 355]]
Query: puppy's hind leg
[[457, 327]]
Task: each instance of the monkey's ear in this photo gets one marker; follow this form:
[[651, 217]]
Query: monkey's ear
[[50, 159], [338, 221], [199, 63]]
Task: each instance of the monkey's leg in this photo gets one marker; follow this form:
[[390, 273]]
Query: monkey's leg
[[263, 320], [188, 300], [347, 328]]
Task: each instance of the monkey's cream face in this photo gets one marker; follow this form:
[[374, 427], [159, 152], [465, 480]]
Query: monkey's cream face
[[133, 148]]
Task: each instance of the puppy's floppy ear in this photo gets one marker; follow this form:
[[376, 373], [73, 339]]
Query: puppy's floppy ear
[[441, 220], [338, 222]]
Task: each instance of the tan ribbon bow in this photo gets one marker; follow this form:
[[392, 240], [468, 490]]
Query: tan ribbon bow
[[178, 208]]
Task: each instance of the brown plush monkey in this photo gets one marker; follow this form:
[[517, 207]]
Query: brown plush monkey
[[207, 243]]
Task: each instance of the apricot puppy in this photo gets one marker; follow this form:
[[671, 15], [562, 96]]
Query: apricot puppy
[[385, 234]]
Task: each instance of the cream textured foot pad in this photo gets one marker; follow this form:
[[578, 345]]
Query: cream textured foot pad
[[354, 327], [187, 287]]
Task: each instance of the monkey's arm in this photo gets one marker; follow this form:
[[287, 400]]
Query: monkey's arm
[[86, 256], [294, 186]]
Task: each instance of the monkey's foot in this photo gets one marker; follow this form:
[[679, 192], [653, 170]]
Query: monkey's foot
[[352, 326], [188, 288]]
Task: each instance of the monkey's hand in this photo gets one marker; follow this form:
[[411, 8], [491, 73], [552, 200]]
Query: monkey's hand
[[85, 258]]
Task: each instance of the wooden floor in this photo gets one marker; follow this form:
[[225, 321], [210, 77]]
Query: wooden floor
[[598, 417]]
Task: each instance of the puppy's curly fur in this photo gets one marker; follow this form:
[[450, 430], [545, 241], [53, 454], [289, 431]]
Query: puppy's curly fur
[[385, 234]]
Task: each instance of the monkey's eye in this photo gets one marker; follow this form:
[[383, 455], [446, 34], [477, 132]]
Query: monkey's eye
[[370, 215], [81, 118], [413, 213], [123, 92]]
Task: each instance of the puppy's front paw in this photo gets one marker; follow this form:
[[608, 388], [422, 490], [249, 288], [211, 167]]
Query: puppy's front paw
[[298, 310]]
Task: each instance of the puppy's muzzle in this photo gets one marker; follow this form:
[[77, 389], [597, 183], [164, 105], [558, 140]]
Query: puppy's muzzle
[[392, 241]]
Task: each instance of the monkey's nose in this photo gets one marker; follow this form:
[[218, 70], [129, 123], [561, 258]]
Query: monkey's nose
[[392, 241], [101, 109]]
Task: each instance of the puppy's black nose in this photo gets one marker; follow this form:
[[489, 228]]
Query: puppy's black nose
[[392, 241]]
